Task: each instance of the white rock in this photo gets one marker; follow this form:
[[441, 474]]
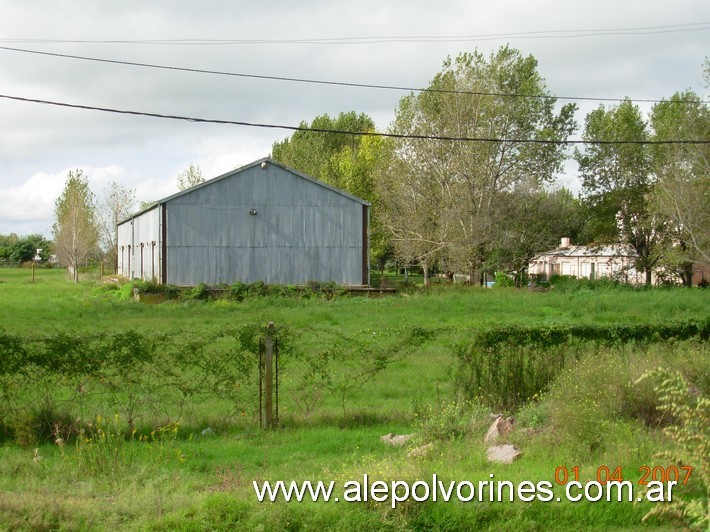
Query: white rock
[[396, 439], [499, 428], [422, 450], [503, 454]]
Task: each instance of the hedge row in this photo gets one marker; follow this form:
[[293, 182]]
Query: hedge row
[[553, 335], [146, 378], [241, 291], [507, 366]]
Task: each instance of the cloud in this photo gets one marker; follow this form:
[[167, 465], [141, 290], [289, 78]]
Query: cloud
[[31, 203]]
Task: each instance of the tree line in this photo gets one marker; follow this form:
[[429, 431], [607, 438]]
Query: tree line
[[477, 207], [490, 205]]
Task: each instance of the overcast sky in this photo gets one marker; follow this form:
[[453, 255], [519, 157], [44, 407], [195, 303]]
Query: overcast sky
[[641, 49]]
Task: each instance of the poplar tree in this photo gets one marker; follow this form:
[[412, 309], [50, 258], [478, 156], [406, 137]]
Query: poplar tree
[[444, 197], [617, 179], [682, 191], [75, 230], [117, 204], [191, 176]]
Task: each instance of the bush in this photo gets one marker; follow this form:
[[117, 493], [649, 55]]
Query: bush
[[568, 283], [502, 280], [41, 425], [196, 293], [141, 376], [690, 435], [506, 366], [451, 421], [238, 291]]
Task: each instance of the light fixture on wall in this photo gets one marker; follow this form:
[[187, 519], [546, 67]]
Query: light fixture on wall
[[252, 211]]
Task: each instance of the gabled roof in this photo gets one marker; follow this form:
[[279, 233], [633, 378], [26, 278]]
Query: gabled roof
[[266, 160], [613, 250]]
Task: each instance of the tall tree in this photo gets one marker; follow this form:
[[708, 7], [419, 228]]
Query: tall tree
[[117, 204], [349, 162], [189, 177], [6, 244], [322, 154], [444, 194], [25, 249], [533, 221], [617, 180], [682, 191], [75, 231]]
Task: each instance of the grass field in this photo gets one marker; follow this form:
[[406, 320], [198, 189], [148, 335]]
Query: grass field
[[197, 473]]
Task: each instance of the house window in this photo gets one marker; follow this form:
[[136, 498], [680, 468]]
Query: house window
[[566, 268], [586, 269], [601, 269]]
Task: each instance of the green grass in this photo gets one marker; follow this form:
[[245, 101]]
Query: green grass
[[52, 304], [592, 415]]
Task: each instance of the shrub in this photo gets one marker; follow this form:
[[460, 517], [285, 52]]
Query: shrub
[[258, 288], [690, 435], [238, 291], [142, 376], [196, 293], [41, 425], [450, 421], [502, 280], [506, 366]]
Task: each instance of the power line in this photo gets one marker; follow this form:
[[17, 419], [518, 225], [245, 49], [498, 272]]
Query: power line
[[344, 132], [542, 34], [322, 82]]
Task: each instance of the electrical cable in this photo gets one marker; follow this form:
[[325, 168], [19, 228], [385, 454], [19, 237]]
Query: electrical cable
[[540, 34], [325, 82], [344, 132]]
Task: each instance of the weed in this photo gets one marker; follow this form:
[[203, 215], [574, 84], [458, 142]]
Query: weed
[[102, 450], [450, 420], [690, 435]]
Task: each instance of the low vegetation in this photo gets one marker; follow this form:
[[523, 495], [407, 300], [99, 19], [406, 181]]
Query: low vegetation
[[117, 414]]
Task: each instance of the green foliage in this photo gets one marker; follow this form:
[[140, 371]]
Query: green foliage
[[198, 292], [190, 177], [451, 421], [19, 249], [690, 437], [616, 177], [682, 190], [507, 366], [342, 369], [447, 205], [238, 291], [502, 280], [48, 379], [333, 159], [75, 230], [567, 283]]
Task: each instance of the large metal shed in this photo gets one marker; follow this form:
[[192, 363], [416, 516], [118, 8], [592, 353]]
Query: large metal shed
[[262, 222]]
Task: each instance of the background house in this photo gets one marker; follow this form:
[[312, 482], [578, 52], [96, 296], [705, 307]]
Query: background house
[[262, 222], [589, 262]]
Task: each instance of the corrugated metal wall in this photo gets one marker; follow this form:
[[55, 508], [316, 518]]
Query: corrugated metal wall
[[301, 231], [139, 249], [125, 245]]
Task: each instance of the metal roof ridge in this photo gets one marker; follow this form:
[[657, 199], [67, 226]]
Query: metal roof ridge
[[236, 171]]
